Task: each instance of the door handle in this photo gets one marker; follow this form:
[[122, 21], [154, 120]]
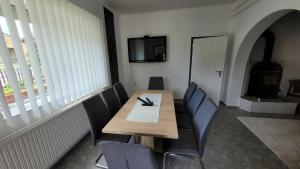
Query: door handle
[[219, 72]]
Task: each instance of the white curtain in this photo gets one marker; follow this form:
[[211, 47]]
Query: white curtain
[[59, 50]]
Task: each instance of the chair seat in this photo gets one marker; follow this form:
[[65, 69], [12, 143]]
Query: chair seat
[[184, 121], [114, 137], [179, 108], [185, 144]]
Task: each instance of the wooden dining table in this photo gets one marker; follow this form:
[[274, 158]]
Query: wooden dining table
[[147, 133]]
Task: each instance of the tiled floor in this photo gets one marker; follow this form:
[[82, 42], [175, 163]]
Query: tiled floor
[[230, 145], [82, 156], [282, 136]]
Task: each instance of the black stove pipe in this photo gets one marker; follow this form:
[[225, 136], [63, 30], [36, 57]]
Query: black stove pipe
[[270, 39]]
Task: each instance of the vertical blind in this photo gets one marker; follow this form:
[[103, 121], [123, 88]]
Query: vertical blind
[[59, 50]]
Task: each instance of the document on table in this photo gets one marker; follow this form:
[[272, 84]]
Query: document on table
[[141, 113]]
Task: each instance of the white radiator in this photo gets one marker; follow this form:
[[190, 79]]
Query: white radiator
[[45, 144]]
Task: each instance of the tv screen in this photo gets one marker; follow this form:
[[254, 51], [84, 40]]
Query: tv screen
[[147, 49]]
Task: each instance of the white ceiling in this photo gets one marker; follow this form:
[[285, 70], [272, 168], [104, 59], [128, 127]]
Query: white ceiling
[[135, 6]]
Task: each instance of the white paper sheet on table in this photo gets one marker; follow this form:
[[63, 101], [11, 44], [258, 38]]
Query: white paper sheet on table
[[141, 113]]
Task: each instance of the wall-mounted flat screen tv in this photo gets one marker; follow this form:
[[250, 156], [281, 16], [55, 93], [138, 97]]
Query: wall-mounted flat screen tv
[[147, 49]]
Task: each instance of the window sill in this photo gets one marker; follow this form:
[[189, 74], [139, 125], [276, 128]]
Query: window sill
[[8, 133]]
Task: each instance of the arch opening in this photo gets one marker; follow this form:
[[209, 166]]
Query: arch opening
[[236, 86], [286, 34], [274, 69]]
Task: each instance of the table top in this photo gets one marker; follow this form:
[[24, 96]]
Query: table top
[[165, 128]]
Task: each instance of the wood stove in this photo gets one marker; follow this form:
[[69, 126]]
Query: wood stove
[[266, 76]]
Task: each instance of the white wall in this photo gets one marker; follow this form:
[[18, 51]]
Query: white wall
[[246, 28], [179, 26]]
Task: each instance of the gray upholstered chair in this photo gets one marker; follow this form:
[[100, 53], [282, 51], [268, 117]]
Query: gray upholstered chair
[[184, 120], [202, 122], [181, 105], [111, 101], [192, 141], [128, 156], [99, 116], [156, 83], [195, 101], [135, 156], [121, 93]]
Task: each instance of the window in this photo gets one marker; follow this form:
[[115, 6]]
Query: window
[[51, 54]]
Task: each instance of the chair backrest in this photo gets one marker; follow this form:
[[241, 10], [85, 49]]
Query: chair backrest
[[202, 122], [196, 100], [98, 115], [156, 83], [111, 101], [128, 156], [121, 93], [188, 93]]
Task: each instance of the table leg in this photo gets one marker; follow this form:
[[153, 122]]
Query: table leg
[[155, 143], [147, 141]]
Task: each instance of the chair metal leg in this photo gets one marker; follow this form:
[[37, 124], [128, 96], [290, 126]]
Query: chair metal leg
[[103, 166], [182, 161], [202, 164]]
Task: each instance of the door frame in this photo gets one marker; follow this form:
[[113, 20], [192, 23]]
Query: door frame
[[191, 51]]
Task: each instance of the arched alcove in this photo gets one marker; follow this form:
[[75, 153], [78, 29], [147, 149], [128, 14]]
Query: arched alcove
[[244, 39], [285, 52]]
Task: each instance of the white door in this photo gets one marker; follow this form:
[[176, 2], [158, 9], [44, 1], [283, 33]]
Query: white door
[[207, 64]]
